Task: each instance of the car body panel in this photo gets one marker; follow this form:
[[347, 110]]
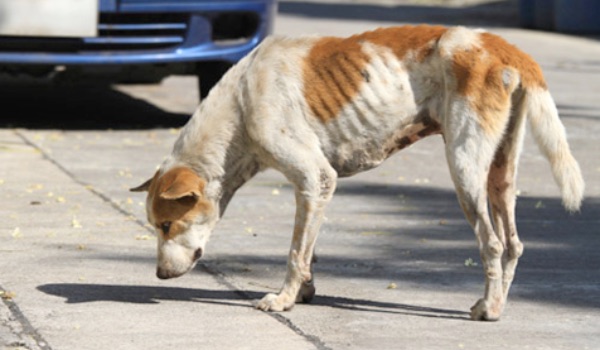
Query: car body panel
[[175, 31]]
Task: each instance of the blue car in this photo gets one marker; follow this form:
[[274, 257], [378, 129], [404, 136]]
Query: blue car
[[130, 40]]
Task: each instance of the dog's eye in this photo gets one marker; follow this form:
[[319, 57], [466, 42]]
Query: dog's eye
[[187, 201], [165, 227]]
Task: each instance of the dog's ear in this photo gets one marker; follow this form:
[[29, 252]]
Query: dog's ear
[[143, 187], [184, 184], [178, 191]]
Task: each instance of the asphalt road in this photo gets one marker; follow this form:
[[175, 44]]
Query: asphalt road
[[398, 265]]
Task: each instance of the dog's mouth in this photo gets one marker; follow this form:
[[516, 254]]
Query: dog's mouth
[[198, 254], [164, 274]]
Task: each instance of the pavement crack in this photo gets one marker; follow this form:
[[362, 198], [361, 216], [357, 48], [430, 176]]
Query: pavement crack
[[222, 279], [27, 330]]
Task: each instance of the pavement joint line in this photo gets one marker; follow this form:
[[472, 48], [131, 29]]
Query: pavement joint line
[[222, 279], [219, 276], [84, 184], [27, 327]]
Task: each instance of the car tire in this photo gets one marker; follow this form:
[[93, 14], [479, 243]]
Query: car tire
[[209, 74]]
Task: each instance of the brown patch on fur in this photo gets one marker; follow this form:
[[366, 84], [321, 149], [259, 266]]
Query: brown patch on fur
[[402, 40], [412, 134], [498, 181], [176, 197], [332, 75], [501, 178], [488, 75], [509, 55], [334, 68]]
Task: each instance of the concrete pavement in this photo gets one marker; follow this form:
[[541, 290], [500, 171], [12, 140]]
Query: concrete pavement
[[398, 265]]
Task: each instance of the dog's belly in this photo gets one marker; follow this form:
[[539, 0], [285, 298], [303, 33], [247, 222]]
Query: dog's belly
[[349, 159], [367, 132], [363, 153], [386, 116]]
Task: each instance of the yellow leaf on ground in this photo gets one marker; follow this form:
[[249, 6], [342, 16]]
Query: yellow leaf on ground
[[34, 187], [17, 233], [75, 223], [6, 295], [144, 237]]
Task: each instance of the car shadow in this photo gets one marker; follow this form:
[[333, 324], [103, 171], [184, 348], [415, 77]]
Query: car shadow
[[34, 105]]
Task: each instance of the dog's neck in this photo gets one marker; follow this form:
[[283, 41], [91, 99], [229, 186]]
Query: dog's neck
[[214, 142]]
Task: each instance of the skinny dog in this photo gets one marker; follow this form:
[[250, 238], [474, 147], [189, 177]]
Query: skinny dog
[[318, 108]]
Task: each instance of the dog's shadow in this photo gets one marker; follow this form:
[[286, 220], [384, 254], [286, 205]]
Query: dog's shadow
[[75, 293]]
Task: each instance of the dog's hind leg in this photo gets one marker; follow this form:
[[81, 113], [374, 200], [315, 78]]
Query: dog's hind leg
[[502, 193], [470, 149], [314, 181], [470, 182]]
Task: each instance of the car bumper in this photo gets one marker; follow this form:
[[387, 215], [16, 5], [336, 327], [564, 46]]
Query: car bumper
[[153, 32]]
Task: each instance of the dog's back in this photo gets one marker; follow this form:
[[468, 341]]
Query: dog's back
[[364, 97]]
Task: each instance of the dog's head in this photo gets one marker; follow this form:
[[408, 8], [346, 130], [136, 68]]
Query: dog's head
[[182, 216]]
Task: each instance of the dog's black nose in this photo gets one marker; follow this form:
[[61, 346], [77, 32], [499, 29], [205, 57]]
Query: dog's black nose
[[197, 254], [166, 227], [163, 274]]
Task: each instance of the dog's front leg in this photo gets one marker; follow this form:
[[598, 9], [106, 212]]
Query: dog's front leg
[[298, 285]]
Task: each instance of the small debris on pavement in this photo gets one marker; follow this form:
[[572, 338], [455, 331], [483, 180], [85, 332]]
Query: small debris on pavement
[[75, 223], [6, 295], [470, 263], [17, 233], [143, 237]]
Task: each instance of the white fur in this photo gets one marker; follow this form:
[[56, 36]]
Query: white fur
[[550, 136]]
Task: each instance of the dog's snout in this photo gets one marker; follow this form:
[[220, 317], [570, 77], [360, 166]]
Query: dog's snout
[[197, 254], [163, 274]]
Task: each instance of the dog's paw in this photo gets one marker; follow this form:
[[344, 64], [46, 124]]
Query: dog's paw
[[274, 302], [306, 293], [482, 311]]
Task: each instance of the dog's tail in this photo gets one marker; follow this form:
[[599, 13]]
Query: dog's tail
[[550, 136]]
